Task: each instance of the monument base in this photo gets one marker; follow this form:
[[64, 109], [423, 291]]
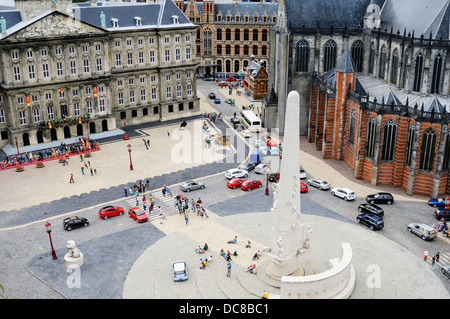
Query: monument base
[[71, 261], [270, 272]]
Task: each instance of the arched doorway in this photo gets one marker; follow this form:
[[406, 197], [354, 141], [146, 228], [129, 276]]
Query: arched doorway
[[104, 125], [40, 137], [53, 135], [79, 130], [66, 132], [26, 139], [91, 127]]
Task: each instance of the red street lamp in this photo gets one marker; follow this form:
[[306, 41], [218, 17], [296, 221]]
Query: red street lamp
[[129, 152], [125, 136], [17, 146], [267, 180], [49, 230], [447, 204]]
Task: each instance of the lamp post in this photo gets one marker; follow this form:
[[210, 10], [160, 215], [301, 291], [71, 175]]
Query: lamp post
[[447, 204], [267, 180], [129, 152], [49, 230], [125, 136]]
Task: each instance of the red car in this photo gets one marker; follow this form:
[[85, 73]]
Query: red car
[[303, 187], [231, 80], [138, 215], [110, 211], [235, 182], [249, 184], [271, 142]]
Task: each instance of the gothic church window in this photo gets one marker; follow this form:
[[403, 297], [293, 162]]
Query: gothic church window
[[357, 54], [329, 55], [436, 79], [370, 139], [394, 67], [389, 138], [372, 58], [446, 160], [351, 130], [382, 62], [428, 149], [418, 72], [302, 56], [409, 144]]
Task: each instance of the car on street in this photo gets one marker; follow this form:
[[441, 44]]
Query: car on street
[[318, 183], [250, 184], [235, 120], [260, 168], [273, 150], [73, 222], [138, 215], [247, 166], [231, 79], [271, 142], [208, 79], [303, 187], [274, 177], [239, 127], [236, 172], [110, 211], [371, 221], [180, 270], [371, 209], [235, 182], [380, 198], [246, 133], [191, 185], [424, 231], [441, 212], [212, 96], [437, 202], [446, 270], [302, 173], [342, 192], [217, 101]]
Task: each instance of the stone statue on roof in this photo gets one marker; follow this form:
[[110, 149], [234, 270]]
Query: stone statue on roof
[[3, 24]]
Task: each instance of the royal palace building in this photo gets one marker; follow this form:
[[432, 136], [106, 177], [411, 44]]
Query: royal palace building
[[374, 81], [75, 69]]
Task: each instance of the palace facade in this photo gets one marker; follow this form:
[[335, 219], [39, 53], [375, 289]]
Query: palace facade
[[77, 69], [374, 83]]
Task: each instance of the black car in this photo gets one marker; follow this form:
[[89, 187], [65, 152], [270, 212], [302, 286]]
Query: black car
[[212, 96], [247, 166], [440, 212], [238, 127], [371, 221], [274, 177], [75, 222], [380, 198], [235, 120], [371, 209]]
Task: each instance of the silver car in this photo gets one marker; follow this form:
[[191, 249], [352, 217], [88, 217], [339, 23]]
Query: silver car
[[260, 168], [446, 270], [191, 185], [319, 183], [426, 232]]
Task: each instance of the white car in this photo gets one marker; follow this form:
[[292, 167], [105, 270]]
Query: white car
[[319, 183], [344, 193], [259, 169], [302, 173], [236, 172], [273, 150], [179, 270], [246, 133]]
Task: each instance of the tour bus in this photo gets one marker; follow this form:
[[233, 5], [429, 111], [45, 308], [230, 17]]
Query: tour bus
[[251, 121]]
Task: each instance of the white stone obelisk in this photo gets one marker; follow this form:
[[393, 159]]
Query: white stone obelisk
[[290, 237]]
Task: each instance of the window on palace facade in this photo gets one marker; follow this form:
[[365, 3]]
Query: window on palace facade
[[351, 130], [219, 34], [428, 149], [418, 72], [446, 160], [207, 43], [237, 34], [389, 138], [264, 50], [370, 139], [255, 50], [228, 34], [357, 54], [219, 65], [219, 49], [394, 67], [329, 55], [255, 34], [436, 78], [409, 144], [372, 58], [264, 35], [228, 49], [245, 49], [302, 56], [237, 49], [246, 35]]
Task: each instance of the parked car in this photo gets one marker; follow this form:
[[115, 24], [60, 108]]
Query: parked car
[[274, 177], [180, 270], [250, 184], [446, 270], [303, 187], [380, 198], [259, 169], [236, 172], [248, 166], [440, 213], [319, 183], [437, 202], [370, 220], [235, 182], [191, 185], [217, 101], [235, 120], [246, 133], [73, 222], [426, 232], [208, 79], [212, 96], [231, 79], [342, 192], [239, 127], [371, 209], [138, 215], [273, 150], [110, 211], [271, 142], [302, 172]]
